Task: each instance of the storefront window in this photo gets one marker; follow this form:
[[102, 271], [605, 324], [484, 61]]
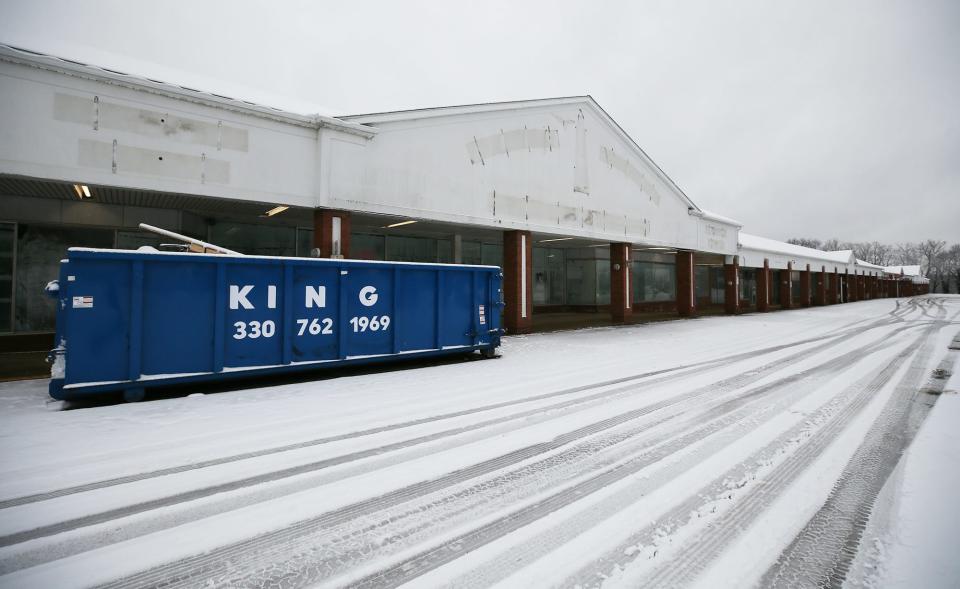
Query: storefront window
[[366, 247], [795, 286], [654, 281], [748, 285], [701, 279], [470, 253], [548, 276], [39, 251], [7, 242], [259, 240], [603, 281], [445, 251], [491, 254], [411, 249], [776, 279], [131, 240], [304, 242]]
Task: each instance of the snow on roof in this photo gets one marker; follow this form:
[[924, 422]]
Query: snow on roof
[[907, 270], [755, 242], [868, 264], [710, 216], [122, 68]]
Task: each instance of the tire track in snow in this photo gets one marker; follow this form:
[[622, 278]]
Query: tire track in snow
[[449, 550], [533, 548], [841, 332], [823, 552], [694, 558], [247, 551], [665, 374]]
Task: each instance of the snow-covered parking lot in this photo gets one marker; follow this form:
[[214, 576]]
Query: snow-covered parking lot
[[711, 452]]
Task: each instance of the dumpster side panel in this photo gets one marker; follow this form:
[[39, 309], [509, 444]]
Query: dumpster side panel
[[178, 303], [457, 308], [417, 297], [254, 319], [367, 318], [314, 302], [99, 324]]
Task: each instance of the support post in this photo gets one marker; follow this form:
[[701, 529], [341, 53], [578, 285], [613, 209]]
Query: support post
[[834, 287], [763, 287], [518, 281], [331, 233], [686, 287], [621, 305], [805, 287], [821, 298], [731, 285], [786, 287]]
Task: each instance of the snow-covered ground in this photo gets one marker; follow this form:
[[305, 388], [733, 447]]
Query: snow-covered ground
[[709, 452]]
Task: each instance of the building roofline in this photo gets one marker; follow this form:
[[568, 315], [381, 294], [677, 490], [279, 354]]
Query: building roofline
[[765, 244], [29, 58], [454, 110]]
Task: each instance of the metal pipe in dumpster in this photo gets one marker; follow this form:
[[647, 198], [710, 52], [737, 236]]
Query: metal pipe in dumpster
[[131, 320]]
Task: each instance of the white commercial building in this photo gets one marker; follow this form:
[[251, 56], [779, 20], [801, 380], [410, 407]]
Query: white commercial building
[[552, 190]]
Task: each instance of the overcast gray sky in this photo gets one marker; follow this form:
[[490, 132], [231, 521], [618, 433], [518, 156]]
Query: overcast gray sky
[[798, 118]]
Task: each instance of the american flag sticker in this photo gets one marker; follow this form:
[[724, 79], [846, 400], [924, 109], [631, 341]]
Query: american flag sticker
[[82, 302]]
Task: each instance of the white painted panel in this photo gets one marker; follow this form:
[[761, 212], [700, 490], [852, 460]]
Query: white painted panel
[[525, 168], [48, 129]]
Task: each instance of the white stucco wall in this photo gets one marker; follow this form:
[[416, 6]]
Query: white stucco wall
[[63, 127], [561, 169]]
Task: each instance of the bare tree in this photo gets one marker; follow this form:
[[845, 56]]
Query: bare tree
[[906, 254], [862, 251], [805, 242], [953, 268], [882, 254], [929, 251], [831, 245]]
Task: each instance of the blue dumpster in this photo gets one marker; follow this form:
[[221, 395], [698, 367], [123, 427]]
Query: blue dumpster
[[128, 321]]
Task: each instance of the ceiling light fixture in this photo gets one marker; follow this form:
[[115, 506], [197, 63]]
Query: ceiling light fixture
[[276, 210], [399, 224], [82, 190], [556, 239]]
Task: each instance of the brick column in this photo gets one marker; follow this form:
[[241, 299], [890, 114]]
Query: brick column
[[331, 232], [833, 294], [517, 281], [686, 287], [786, 287], [731, 286], [620, 287], [821, 298], [805, 287], [763, 287]]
